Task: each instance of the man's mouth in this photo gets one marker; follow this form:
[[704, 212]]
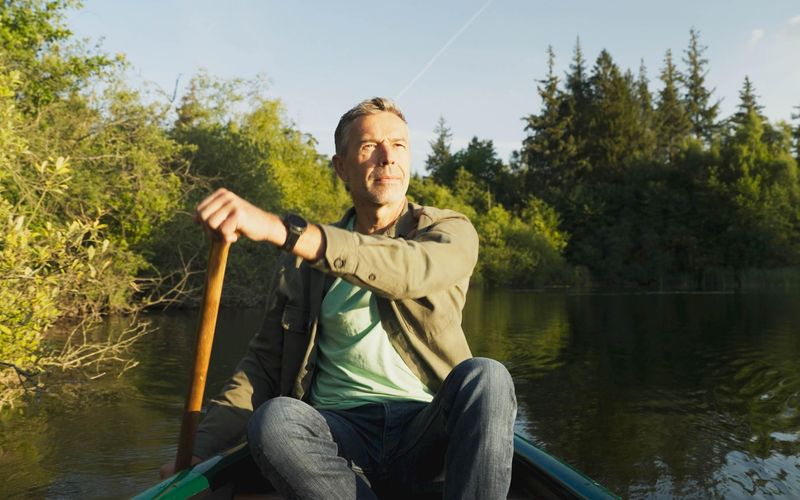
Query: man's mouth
[[386, 180]]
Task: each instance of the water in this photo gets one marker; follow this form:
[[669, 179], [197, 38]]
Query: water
[[653, 395]]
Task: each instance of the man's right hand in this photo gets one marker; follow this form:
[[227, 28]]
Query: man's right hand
[[229, 216], [168, 469]]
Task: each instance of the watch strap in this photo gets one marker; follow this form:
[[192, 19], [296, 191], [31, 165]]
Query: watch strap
[[295, 227]]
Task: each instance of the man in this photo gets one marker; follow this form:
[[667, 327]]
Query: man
[[360, 380]]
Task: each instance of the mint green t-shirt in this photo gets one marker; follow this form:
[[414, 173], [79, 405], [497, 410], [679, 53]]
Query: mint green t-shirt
[[356, 362]]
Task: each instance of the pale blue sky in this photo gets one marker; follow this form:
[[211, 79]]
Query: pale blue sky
[[323, 57]]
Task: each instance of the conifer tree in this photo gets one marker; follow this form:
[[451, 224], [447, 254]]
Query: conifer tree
[[748, 103], [548, 148], [702, 114], [613, 124], [575, 106], [577, 81], [796, 135], [440, 157], [760, 180], [647, 137], [672, 122]]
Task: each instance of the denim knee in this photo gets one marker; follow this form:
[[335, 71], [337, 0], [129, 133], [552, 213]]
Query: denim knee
[[272, 424], [491, 374], [487, 379]]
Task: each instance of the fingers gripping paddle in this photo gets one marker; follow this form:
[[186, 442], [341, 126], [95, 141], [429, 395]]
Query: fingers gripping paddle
[[202, 353]]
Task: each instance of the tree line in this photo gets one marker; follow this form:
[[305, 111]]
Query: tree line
[[650, 189], [98, 183]]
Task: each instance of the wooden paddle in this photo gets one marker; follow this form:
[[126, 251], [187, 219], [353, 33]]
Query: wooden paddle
[[202, 352]]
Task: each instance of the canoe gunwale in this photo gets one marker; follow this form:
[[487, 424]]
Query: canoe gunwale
[[536, 474]]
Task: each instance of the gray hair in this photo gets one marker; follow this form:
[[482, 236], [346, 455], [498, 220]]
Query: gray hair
[[366, 107]]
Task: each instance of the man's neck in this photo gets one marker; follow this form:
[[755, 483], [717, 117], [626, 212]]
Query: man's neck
[[373, 219]]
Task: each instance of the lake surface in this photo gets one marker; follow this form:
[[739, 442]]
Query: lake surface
[[653, 395]]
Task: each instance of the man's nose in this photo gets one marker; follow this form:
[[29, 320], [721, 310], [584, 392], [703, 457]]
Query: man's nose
[[386, 153]]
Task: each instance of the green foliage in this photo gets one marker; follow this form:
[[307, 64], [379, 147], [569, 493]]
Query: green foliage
[[545, 222], [760, 178], [440, 156], [702, 114], [84, 181], [672, 121], [427, 191], [614, 125], [576, 105], [36, 43], [127, 171], [256, 153], [97, 188], [51, 266], [515, 252], [519, 251], [299, 178], [748, 103], [796, 135], [549, 149], [479, 158], [661, 194], [50, 271], [646, 140]]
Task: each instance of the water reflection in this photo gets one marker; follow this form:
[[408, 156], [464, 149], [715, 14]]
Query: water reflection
[[111, 443], [663, 394], [528, 333], [652, 395]]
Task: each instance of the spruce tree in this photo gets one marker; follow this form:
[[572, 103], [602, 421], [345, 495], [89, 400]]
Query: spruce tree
[[748, 103], [672, 121], [577, 81], [647, 137], [613, 123], [759, 178], [548, 148], [575, 106], [701, 113], [796, 135], [440, 157]]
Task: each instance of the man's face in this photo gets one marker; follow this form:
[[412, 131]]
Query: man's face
[[377, 162]]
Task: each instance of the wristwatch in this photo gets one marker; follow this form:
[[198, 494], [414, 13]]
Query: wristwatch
[[295, 226]]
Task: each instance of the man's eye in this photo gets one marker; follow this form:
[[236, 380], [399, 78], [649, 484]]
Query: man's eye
[[401, 145], [368, 146]]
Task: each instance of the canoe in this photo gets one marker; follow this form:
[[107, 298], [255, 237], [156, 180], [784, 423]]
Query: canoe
[[232, 474]]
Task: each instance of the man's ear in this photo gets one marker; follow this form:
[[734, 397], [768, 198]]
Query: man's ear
[[338, 165]]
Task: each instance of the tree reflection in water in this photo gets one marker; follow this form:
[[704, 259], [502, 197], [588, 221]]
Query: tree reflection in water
[[664, 395], [656, 394]]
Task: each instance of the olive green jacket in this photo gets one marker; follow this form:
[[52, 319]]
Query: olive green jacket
[[419, 271]]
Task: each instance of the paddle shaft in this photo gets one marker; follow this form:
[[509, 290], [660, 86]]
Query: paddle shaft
[[202, 353]]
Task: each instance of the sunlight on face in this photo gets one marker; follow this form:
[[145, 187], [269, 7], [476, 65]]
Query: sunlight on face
[[377, 164]]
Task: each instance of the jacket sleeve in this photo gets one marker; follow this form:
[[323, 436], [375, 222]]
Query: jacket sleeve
[[431, 260], [255, 380]]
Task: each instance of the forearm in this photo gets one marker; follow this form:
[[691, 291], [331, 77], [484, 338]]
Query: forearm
[[230, 216], [398, 268], [311, 245]]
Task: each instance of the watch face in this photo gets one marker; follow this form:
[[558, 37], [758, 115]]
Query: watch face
[[295, 222]]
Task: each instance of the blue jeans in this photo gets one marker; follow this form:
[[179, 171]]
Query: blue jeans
[[394, 448]]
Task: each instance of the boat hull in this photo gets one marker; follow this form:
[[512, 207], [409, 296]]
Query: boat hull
[[535, 474]]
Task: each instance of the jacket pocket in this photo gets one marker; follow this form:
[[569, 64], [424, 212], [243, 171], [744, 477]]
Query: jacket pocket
[[294, 319], [294, 323]]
